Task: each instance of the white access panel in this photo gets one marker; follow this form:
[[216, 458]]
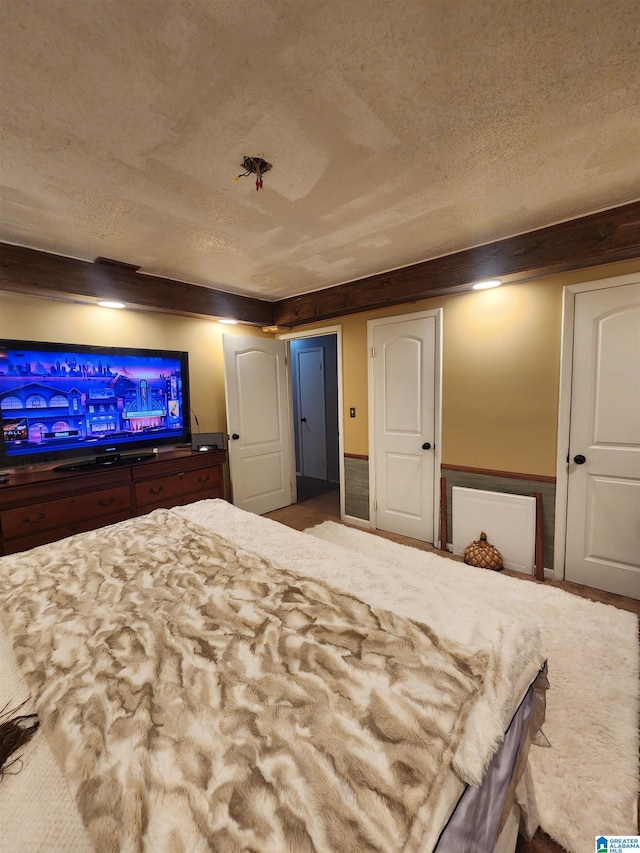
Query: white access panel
[[508, 520]]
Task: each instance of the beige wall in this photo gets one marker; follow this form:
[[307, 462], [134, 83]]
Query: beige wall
[[501, 361], [501, 365], [33, 318]]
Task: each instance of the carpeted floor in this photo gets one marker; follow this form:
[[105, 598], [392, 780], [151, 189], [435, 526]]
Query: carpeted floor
[[313, 511]]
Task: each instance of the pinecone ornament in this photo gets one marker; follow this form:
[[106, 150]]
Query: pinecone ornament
[[483, 555]]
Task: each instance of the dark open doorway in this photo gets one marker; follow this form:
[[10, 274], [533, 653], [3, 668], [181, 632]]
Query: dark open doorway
[[314, 383]]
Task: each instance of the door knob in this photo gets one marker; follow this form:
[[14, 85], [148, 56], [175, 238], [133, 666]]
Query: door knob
[[235, 436], [304, 420], [426, 446], [579, 459]]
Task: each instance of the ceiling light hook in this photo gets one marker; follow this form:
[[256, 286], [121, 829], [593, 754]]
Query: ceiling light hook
[[256, 166]]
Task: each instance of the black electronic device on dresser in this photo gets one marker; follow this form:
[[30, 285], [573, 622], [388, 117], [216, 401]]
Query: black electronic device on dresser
[[205, 441]]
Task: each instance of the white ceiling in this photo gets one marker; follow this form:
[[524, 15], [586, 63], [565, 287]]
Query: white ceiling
[[398, 131]]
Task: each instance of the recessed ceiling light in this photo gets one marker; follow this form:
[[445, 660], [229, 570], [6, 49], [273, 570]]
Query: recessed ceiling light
[[228, 322], [105, 303], [487, 285]]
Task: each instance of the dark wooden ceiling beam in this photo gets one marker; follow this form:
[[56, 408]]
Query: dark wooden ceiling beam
[[601, 238], [42, 274]]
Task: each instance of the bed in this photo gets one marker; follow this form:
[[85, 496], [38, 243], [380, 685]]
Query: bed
[[207, 679]]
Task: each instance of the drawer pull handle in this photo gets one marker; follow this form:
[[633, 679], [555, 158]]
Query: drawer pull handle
[[28, 520], [204, 479], [103, 502], [157, 491]]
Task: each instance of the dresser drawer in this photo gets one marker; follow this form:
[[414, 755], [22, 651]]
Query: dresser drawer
[[180, 500], [155, 492], [28, 520], [43, 537]]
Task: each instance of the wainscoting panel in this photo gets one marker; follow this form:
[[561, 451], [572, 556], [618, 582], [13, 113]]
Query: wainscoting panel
[[356, 487]]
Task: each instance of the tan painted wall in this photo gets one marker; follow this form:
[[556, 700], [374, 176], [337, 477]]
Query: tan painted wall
[[33, 318], [501, 361], [501, 366]]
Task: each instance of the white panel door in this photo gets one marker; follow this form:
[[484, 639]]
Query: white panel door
[[404, 425], [258, 419], [603, 513], [311, 409]]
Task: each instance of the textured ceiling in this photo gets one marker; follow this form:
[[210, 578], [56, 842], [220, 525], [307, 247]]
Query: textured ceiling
[[398, 131]]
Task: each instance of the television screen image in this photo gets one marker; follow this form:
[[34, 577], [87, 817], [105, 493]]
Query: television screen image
[[60, 400]]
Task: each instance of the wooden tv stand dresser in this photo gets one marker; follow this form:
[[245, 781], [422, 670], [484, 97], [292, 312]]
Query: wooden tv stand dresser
[[40, 506]]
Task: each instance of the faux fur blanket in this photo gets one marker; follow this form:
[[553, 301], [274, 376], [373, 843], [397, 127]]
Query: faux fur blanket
[[512, 643], [200, 698]]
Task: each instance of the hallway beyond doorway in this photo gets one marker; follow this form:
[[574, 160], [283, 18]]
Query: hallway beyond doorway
[[324, 494]]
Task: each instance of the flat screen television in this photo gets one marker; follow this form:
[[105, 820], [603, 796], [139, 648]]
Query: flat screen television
[[91, 404]]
